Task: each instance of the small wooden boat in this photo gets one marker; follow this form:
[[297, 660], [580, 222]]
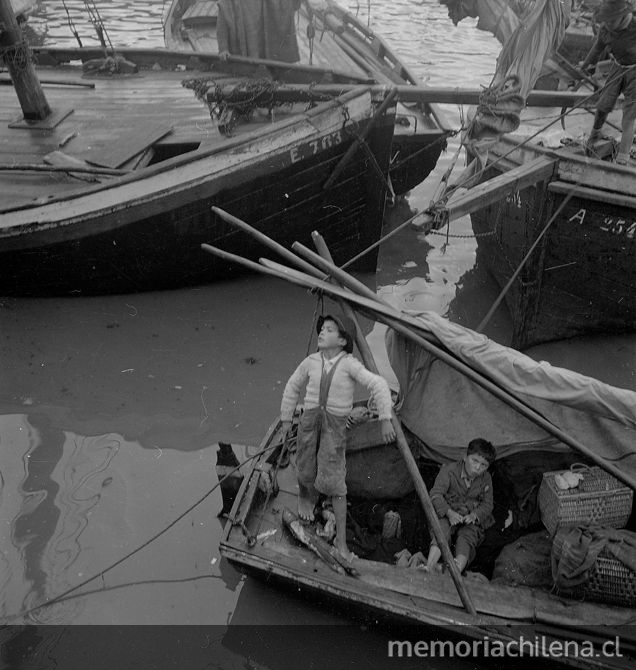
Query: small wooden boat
[[581, 277], [112, 192], [535, 415], [561, 246], [329, 37]]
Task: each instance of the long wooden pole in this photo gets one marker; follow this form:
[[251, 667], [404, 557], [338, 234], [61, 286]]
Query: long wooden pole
[[411, 465], [294, 258], [402, 323], [17, 58], [405, 93], [397, 321]]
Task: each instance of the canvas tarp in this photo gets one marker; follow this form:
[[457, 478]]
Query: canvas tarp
[[446, 410]]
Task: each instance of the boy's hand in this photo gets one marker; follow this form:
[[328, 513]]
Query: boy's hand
[[356, 416], [286, 428], [388, 432], [471, 518], [224, 55], [454, 517]]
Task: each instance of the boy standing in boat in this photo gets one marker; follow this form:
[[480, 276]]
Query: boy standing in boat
[[462, 498], [618, 32], [330, 375]]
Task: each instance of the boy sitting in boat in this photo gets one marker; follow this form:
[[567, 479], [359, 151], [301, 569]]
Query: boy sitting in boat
[[618, 32], [462, 498], [330, 375]]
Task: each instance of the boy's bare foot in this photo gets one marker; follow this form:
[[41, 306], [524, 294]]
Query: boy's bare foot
[[307, 497], [345, 552], [305, 509]]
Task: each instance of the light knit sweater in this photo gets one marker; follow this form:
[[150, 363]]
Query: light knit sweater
[[340, 396]]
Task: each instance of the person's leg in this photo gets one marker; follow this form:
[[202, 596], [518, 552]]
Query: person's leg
[[627, 137], [469, 537], [629, 118], [307, 497], [607, 99], [340, 511], [308, 437], [435, 553], [331, 475]]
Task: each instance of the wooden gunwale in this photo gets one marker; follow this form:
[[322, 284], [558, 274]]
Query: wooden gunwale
[[144, 177], [190, 60], [426, 600]]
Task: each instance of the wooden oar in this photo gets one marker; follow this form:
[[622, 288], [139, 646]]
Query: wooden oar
[[411, 465]]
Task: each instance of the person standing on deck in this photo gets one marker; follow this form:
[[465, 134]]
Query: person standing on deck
[[258, 29], [618, 32], [330, 375]]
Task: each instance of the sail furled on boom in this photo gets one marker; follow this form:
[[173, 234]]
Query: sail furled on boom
[[525, 50]]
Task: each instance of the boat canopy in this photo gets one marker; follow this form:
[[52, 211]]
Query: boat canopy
[[445, 409]]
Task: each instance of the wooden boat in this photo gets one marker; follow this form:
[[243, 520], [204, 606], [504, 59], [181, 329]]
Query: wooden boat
[[581, 278], [116, 196], [562, 248], [450, 372], [343, 43]]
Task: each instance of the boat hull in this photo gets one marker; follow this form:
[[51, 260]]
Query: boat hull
[[421, 130], [256, 541], [581, 278], [144, 233]]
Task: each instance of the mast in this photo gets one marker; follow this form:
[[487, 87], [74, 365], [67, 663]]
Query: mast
[[17, 57]]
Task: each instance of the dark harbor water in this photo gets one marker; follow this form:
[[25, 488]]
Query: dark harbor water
[[109, 405]]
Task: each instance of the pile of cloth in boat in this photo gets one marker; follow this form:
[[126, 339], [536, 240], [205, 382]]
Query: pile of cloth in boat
[[579, 548]]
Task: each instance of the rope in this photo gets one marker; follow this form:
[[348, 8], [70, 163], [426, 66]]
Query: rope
[[58, 598], [561, 116], [16, 56], [524, 260], [71, 24], [98, 24]]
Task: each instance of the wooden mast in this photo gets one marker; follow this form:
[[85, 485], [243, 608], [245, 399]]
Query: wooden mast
[[17, 57], [18, 61]]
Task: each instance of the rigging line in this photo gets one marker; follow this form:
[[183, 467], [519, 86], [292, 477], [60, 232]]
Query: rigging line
[[55, 599], [451, 189], [531, 137], [71, 24], [515, 274], [98, 24]]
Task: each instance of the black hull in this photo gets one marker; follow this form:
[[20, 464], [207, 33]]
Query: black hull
[[414, 159], [582, 277], [163, 250]]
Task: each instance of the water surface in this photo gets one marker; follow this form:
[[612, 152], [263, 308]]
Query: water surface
[[109, 405]]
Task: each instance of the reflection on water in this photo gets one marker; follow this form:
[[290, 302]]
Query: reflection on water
[[73, 505], [109, 405]]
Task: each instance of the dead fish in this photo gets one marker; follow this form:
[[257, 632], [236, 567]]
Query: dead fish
[[307, 535]]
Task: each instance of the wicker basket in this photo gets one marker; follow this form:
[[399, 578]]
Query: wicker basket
[[599, 498], [610, 581]]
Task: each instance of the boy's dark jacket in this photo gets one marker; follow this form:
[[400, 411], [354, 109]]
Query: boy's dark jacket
[[450, 490]]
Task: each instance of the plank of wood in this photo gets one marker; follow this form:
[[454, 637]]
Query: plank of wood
[[130, 143]]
